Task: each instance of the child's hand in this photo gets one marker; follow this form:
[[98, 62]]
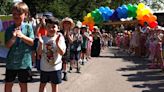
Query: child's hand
[[15, 33], [19, 33]]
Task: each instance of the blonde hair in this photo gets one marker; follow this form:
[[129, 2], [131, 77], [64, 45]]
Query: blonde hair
[[21, 7]]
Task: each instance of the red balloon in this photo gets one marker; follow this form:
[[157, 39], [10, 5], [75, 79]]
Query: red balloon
[[153, 24]]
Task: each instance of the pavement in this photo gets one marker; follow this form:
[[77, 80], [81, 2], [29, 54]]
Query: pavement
[[113, 71]]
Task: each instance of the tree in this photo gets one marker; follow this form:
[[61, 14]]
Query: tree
[[5, 7]]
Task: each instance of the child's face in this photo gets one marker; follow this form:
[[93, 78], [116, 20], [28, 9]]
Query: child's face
[[18, 17], [52, 29], [66, 25]]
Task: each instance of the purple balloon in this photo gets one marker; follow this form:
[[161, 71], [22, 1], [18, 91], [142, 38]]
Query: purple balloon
[[114, 17]]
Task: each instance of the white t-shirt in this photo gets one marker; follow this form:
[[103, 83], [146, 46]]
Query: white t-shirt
[[50, 59], [1, 26]]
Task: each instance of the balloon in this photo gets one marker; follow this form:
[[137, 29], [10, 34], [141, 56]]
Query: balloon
[[84, 23], [114, 16], [141, 6], [146, 17], [153, 24], [145, 11], [101, 9], [152, 18], [129, 6], [141, 22]]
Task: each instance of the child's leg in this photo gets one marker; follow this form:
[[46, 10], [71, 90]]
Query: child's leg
[[54, 87], [41, 87], [23, 87], [8, 86]]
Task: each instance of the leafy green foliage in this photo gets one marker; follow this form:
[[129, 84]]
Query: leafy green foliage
[[5, 6], [75, 9]]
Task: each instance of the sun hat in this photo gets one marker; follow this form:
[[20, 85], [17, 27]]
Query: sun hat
[[67, 19]]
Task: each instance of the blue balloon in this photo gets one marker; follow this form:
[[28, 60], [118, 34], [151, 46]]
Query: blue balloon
[[101, 9], [119, 9]]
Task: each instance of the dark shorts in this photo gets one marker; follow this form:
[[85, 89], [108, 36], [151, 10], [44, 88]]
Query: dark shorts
[[84, 50], [23, 75], [53, 77], [75, 55]]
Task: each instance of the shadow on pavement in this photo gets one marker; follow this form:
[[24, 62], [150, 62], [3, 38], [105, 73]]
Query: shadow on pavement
[[153, 79]]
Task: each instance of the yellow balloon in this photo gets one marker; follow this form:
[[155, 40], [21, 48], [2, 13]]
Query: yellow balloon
[[141, 6], [139, 12], [86, 19], [145, 11], [89, 15], [90, 19]]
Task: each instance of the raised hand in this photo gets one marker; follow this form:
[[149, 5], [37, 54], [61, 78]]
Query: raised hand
[[19, 32]]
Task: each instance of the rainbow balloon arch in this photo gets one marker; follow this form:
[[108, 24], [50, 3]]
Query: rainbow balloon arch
[[141, 12]]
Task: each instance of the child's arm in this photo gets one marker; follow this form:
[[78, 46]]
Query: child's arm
[[26, 39], [61, 47], [39, 50]]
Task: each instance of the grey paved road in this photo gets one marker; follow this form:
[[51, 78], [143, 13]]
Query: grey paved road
[[107, 73]]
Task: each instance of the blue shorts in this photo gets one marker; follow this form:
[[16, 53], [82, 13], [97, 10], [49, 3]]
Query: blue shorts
[[54, 77]]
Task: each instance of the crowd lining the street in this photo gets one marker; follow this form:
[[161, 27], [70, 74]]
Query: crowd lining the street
[[49, 45]]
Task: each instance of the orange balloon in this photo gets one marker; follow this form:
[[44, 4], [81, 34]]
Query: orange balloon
[[141, 22], [146, 17], [153, 18], [84, 23]]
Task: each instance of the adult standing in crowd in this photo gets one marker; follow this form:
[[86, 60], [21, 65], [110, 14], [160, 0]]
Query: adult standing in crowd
[[67, 25], [96, 45]]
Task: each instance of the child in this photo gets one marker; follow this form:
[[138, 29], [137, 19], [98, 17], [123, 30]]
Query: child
[[51, 48], [67, 25], [19, 39], [75, 49]]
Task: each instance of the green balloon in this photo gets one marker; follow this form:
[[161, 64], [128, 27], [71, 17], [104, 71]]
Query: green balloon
[[134, 8], [129, 6], [130, 13], [134, 15], [93, 14]]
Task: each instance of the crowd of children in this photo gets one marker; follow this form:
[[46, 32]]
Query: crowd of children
[[48, 45], [144, 41]]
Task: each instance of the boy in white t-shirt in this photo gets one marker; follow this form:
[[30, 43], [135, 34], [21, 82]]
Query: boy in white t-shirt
[[51, 48]]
